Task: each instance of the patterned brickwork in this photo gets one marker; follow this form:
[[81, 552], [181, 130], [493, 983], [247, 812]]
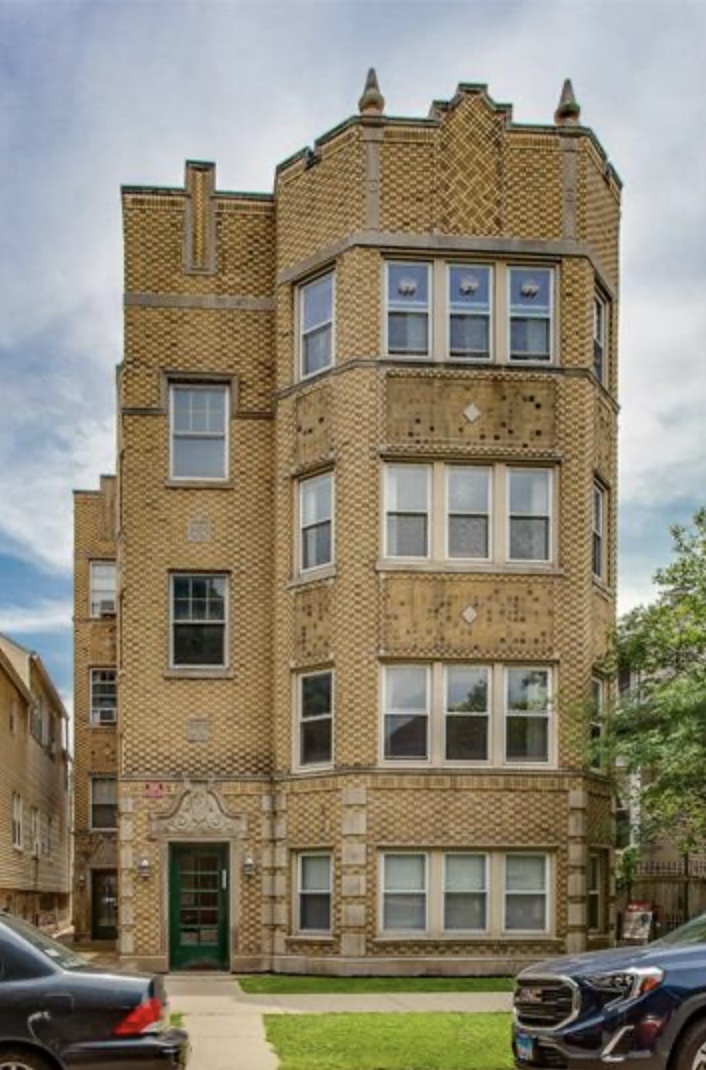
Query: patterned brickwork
[[213, 286], [471, 182], [514, 412], [409, 180], [321, 203], [532, 194]]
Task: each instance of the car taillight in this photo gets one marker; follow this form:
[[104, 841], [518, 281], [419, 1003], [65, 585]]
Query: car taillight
[[146, 1017]]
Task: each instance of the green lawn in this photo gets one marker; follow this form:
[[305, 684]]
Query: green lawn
[[390, 1041], [293, 984]]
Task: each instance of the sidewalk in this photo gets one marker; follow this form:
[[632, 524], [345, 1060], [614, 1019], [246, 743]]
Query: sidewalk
[[227, 1031]]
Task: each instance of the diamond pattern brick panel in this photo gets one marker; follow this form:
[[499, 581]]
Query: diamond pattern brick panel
[[599, 819], [322, 203], [600, 220], [163, 340], [426, 408], [286, 347], [576, 289], [155, 234], [359, 290], [471, 160], [533, 192], [423, 617], [604, 433], [409, 179]]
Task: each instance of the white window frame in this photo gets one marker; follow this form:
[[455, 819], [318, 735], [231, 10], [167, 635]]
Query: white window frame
[[224, 436], [437, 716], [34, 832], [302, 856], [330, 322], [101, 602], [600, 323], [545, 891], [96, 719], [384, 891], [532, 361], [547, 716], [91, 803], [427, 311], [302, 528], [300, 721], [17, 822], [187, 667], [390, 712], [452, 266], [598, 526], [437, 515], [495, 894]]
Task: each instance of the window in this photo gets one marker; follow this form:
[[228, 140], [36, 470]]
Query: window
[[469, 305], [595, 891], [14, 711], [465, 892], [598, 526], [103, 696], [102, 588], [527, 715], [198, 620], [34, 833], [407, 510], [315, 701], [316, 325], [408, 309], [406, 728], [199, 439], [104, 803], [36, 717], [599, 338], [316, 521], [466, 713], [529, 511], [443, 893], [469, 312], [315, 893], [440, 713], [468, 513], [17, 830], [530, 314], [526, 893], [404, 897]]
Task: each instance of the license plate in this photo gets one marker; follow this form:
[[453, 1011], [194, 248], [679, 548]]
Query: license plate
[[524, 1046]]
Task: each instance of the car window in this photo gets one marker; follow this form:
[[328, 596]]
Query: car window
[[694, 932], [51, 949]]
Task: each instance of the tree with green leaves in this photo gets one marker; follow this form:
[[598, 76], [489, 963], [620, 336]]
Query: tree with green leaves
[[659, 727]]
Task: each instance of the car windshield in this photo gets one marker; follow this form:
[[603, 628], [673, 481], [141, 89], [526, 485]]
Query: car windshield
[[62, 956], [694, 932]]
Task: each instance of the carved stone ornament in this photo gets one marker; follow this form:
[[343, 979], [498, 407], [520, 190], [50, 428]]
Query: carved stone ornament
[[199, 811], [469, 614]]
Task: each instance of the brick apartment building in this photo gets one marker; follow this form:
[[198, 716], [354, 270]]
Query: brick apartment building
[[341, 613], [35, 795]]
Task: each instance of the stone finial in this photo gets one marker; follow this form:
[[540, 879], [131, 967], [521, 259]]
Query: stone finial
[[372, 101], [568, 112]]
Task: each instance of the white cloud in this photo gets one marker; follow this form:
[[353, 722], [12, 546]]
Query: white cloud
[[42, 617]]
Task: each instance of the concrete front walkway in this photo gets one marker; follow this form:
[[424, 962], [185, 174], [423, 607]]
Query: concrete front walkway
[[226, 1026]]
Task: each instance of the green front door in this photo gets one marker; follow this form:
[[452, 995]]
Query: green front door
[[198, 906]]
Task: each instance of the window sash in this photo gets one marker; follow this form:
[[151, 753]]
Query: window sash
[[314, 881], [599, 335], [406, 726], [465, 901], [316, 333], [198, 606], [467, 731], [315, 719], [103, 696], [469, 313], [404, 903], [597, 531], [408, 316], [104, 803], [531, 314], [526, 903], [103, 586], [199, 433], [407, 510], [316, 522], [468, 512], [527, 725], [529, 514]]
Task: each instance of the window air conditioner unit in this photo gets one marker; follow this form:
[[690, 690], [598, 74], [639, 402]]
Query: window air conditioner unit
[[106, 607]]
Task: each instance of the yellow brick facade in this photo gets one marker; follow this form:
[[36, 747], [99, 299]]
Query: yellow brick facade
[[35, 827], [211, 755]]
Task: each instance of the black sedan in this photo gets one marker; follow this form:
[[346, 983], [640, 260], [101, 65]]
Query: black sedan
[[58, 1012]]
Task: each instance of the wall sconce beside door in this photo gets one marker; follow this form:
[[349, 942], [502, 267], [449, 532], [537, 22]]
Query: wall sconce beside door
[[144, 868]]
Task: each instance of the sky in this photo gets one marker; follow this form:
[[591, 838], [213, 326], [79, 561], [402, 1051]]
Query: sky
[[99, 93]]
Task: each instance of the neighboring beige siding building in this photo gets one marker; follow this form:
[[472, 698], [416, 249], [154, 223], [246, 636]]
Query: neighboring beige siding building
[[34, 792], [365, 544]]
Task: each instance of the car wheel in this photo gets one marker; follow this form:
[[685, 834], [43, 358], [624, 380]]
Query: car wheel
[[691, 1053], [23, 1060]]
